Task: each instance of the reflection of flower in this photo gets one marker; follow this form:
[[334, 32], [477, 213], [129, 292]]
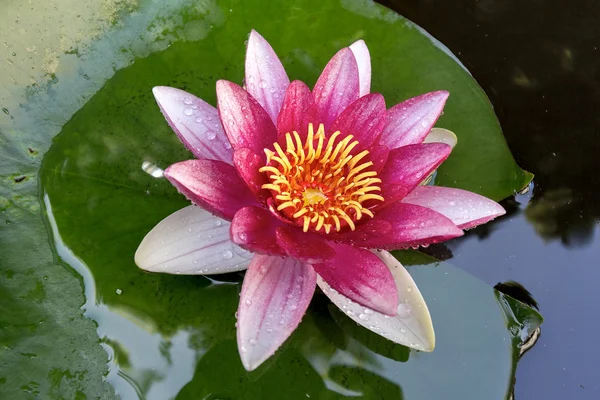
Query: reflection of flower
[[309, 181]]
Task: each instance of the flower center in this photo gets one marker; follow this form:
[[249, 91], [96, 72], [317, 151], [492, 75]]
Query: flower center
[[320, 184]]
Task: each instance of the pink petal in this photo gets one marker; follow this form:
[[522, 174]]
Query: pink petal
[[410, 121], [337, 87], [363, 59], [465, 209], [298, 110], [307, 247], [364, 119], [408, 166], [275, 295], [191, 241], [361, 276], [266, 79], [253, 228], [411, 226], [212, 185], [195, 122], [246, 123], [411, 326], [247, 164]]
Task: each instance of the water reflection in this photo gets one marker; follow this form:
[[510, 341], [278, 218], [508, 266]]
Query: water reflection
[[540, 64]]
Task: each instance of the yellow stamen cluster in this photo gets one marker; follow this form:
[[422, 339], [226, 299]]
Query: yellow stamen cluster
[[320, 184]]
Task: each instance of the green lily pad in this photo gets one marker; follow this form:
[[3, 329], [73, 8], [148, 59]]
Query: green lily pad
[[171, 334]]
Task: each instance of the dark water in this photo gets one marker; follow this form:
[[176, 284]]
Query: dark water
[[539, 62]]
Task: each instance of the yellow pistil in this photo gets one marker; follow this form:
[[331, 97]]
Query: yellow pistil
[[321, 185]]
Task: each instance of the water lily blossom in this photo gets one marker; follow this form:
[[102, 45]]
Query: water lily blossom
[[309, 187]]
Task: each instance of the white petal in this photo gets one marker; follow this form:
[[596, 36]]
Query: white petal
[[411, 327], [191, 241], [363, 59], [441, 135]]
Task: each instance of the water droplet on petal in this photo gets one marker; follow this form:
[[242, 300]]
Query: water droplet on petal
[[403, 311], [363, 317], [187, 100], [210, 135], [218, 222], [188, 111], [262, 84], [227, 254], [248, 302], [253, 342]]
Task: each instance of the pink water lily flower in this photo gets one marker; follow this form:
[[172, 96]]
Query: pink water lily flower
[[310, 182]]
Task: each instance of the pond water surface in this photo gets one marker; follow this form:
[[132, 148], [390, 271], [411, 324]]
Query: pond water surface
[[539, 62]]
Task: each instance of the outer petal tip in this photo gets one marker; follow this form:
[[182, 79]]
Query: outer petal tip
[[363, 60], [190, 241], [195, 122], [441, 135], [465, 209], [337, 87], [275, 295], [410, 121], [265, 77]]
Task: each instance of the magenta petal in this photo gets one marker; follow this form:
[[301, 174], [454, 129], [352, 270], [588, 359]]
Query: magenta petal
[[246, 123], [247, 164], [275, 295], [408, 166], [253, 228], [298, 110], [337, 87], [361, 276], [465, 209], [363, 59], [364, 119], [266, 79], [212, 185], [304, 246], [195, 122], [364, 231], [378, 155], [411, 226], [410, 121]]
